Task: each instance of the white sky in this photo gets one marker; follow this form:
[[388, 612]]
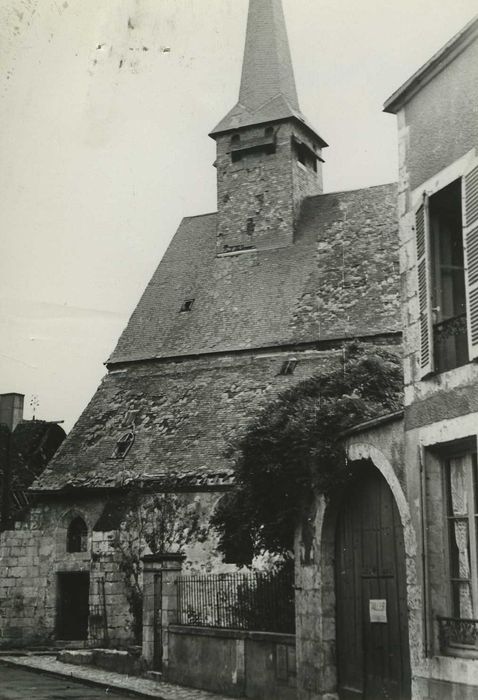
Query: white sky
[[104, 148]]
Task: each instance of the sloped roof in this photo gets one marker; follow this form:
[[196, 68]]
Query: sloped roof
[[339, 279], [434, 65], [184, 414], [268, 90]]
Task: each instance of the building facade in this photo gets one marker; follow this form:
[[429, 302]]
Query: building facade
[[388, 606]]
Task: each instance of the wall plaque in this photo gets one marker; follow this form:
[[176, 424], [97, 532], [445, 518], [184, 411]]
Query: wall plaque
[[378, 610]]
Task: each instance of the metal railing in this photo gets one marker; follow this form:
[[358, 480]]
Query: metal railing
[[457, 633], [253, 601]]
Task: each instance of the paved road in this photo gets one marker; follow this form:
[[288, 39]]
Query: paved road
[[19, 684]]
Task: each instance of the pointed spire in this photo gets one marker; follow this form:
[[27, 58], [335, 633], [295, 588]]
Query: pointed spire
[[268, 92], [267, 69]]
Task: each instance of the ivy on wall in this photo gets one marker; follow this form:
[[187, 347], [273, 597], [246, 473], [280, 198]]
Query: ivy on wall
[[153, 523], [293, 449]]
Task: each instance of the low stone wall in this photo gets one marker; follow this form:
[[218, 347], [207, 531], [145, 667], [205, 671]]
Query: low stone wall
[[256, 665], [108, 659]]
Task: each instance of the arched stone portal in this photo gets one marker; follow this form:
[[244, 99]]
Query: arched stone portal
[[373, 659], [318, 581]]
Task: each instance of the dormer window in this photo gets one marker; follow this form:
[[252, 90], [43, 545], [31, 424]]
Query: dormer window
[[187, 305], [288, 367], [123, 446], [77, 536]]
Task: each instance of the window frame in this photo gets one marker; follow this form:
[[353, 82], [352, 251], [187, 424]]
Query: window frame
[[80, 535], [470, 517], [457, 632], [465, 169]]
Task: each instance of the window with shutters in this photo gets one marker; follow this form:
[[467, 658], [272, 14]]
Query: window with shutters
[[450, 343], [459, 628], [446, 225]]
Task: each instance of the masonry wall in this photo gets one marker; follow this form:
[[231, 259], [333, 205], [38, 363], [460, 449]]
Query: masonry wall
[[315, 564], [436, 129], [34, 553], [441, 119], [254, 665], [438, 136], [265, 189]]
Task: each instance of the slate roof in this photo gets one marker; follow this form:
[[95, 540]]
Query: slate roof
[[183, 415], [339, 279], [268, 91]]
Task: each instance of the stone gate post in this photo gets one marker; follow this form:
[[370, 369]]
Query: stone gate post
[[160, 573]]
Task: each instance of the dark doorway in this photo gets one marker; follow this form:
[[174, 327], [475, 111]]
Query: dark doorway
[[372, 622], [73, 606]]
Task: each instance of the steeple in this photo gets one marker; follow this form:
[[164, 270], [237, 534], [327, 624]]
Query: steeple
[[268, 91], [268, 158]]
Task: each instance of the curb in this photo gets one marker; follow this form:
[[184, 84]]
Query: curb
[[127, 692]]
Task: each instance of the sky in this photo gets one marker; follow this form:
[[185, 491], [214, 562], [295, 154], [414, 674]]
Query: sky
[[106, 106]]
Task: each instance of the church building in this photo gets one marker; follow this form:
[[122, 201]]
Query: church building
[[246, 302]]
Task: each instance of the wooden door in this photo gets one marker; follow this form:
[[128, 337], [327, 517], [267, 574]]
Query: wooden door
[[73, 606], [372, 622]]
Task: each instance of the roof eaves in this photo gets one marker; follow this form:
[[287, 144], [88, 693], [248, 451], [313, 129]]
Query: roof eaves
[[236, 122], [432, 67], [373, 423]]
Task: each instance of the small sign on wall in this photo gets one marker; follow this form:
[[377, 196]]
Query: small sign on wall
[[378, 610]]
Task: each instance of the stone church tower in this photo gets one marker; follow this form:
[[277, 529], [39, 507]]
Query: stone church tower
[[260, 142], [245, 303]]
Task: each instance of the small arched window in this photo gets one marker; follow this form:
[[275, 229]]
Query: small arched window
[[77, 536], [235, 139], [269, 131]]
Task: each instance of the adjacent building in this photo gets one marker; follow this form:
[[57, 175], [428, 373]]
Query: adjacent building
[[389, 606], [26, 447]]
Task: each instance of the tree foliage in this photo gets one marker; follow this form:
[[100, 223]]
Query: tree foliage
[[294, 449], [155, 523]]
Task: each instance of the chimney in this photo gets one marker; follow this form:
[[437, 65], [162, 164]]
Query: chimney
[[11, 409]]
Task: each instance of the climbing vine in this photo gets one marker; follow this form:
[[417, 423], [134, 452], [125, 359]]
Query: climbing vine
[[293, 449], [155, 523]]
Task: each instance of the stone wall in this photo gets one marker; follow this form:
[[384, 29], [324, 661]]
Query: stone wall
[[315, 566], [264, 189], [441, 118], [34, 553], [238, 663], [438, 138]]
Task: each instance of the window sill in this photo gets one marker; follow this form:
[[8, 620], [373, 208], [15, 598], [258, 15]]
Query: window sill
[[461, 652]]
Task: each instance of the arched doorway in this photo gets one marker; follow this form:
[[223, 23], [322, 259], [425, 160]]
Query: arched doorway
[[373, 659]]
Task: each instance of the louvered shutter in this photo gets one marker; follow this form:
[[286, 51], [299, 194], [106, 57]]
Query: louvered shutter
[[470, 242], [424, 300]]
